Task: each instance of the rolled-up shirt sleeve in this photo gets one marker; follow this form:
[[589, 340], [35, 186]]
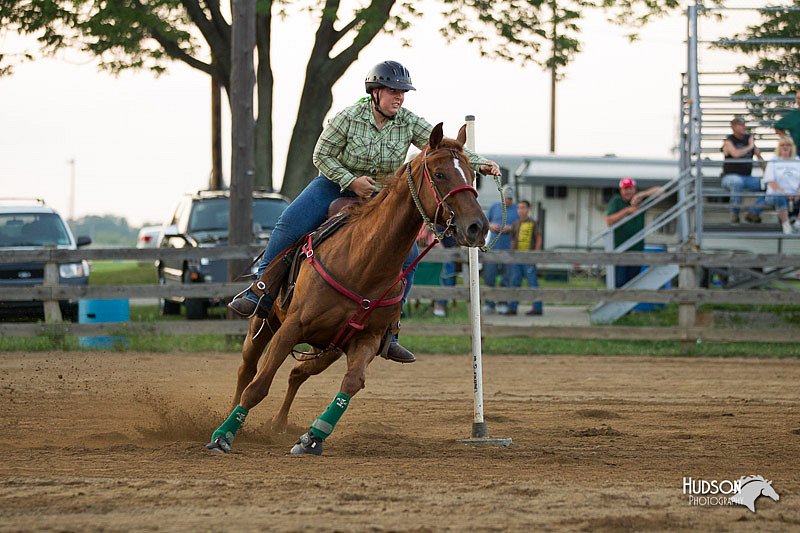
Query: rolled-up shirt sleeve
[[328, 149]]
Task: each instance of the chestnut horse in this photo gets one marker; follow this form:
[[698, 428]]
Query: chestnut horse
[[366, 256]]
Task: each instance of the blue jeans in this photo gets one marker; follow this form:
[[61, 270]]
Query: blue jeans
[[447, 278], [779, 203], [490, 273], [529, 272], [304, 214], [737, 183]]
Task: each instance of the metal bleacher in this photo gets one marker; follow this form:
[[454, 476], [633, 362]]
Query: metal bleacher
[[709, 100]]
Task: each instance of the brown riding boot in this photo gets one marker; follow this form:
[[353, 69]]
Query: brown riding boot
[[255, 298], [399, 354], [243, 307]]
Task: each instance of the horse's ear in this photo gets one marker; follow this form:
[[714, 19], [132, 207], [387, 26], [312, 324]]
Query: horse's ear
[[436, 136], [462, 135]]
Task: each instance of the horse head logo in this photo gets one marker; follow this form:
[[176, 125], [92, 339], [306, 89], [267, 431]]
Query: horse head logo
[[751, 487]]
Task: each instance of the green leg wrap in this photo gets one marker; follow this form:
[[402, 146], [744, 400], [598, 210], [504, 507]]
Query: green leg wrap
[[323, 426], [232, 424]]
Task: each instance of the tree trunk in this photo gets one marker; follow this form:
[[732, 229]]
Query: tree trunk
[[315, 103], [321, 73], [264, 89]]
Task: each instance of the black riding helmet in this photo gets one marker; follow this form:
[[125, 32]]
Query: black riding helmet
[[389, 74]]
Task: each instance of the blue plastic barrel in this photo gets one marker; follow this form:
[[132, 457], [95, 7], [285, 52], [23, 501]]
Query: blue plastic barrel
[[645, 306], [103, 311]]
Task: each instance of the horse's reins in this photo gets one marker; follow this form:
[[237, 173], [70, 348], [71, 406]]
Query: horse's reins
[[357, 322]]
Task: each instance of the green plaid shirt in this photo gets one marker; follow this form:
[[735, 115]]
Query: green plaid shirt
[[352, 145]]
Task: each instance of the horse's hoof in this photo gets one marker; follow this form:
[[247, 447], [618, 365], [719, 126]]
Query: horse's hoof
[[219, 445], [307, 444]]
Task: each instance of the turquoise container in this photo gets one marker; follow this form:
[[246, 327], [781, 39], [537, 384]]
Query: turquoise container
[[103, 311], [646, 306]]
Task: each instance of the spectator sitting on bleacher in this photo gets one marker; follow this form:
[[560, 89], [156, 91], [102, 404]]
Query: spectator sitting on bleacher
[[782, 177], [737, 175]]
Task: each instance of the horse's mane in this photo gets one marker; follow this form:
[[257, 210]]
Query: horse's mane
[[359, 211]]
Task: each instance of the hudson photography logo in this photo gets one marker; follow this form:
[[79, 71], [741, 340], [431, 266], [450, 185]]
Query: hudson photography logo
[[743, 491]]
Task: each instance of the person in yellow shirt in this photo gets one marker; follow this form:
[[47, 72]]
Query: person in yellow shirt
[[525, 236]]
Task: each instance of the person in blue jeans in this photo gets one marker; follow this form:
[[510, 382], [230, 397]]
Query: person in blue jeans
[[496, 226], [739, 149], [357, 153], [526, 236], [782, 177], [447, 277]]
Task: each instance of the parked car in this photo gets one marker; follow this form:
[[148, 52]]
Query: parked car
[[201, 220], [30, 225], [148, 237]]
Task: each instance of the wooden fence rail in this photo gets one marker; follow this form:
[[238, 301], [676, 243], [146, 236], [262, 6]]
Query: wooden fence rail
[[687, 295], [703, 259]]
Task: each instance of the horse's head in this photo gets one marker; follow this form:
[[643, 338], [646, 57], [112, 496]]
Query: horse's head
[[751, 488], [445, 186], [768, 491]]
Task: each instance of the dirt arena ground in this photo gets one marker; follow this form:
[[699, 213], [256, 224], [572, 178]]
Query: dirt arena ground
[[114, 442]]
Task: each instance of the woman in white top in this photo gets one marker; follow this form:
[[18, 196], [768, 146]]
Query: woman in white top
[[782, 177]]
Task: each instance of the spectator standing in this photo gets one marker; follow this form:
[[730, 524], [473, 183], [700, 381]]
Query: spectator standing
[[782, 177], [625, 203], [496, 227], [447, 275], [447, 278], [525, 236], [739, 149], [789, 125]]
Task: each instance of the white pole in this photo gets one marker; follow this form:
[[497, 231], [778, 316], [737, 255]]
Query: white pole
[[479, 429]]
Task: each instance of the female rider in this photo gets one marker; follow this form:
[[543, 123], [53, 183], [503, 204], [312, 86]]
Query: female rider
[[357, 153]]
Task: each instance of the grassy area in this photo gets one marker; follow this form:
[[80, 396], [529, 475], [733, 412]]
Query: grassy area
[[122, 273], [526, 346], [434, 345]]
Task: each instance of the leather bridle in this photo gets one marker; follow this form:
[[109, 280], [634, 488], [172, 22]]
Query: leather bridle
[[441, 200]]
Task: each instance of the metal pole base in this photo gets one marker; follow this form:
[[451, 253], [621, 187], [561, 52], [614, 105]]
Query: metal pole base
[[480, 435], [487, 441]]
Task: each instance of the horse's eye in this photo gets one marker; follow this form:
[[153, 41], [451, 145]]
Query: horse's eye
[[438, 175]]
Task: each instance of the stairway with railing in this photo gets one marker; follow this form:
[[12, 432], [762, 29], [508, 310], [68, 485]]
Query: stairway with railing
[[709, 100]]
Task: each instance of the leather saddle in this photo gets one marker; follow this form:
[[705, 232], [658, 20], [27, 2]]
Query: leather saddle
[[279, 278]]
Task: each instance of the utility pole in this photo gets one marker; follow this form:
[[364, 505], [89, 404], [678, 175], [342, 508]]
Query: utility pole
[[71, 164], [215, 182], [243, 80], [553, 76]]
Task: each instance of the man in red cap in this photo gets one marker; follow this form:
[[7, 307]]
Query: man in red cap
[[620, 206]]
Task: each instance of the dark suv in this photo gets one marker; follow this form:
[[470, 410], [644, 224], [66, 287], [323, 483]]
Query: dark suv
[[31, 225], [201, 220]]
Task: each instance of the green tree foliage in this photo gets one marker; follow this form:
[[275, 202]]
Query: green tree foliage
[[774, 43], [132, 34], [105, 230]]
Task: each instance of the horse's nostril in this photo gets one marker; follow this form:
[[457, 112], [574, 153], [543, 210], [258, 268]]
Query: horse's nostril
[[473, 230]]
